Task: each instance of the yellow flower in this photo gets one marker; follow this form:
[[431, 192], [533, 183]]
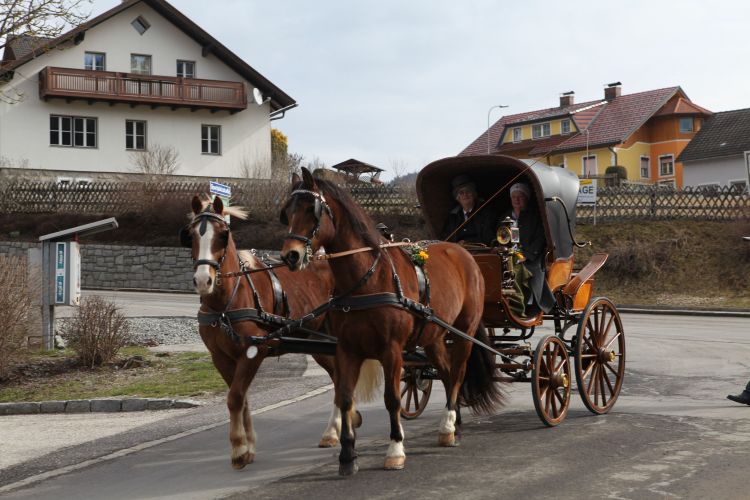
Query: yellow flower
[[423, 255]]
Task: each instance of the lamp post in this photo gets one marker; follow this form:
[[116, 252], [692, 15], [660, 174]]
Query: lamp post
[[488, 123]]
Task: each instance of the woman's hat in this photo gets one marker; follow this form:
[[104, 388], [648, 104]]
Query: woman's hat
[[520, 186], [460, 181]]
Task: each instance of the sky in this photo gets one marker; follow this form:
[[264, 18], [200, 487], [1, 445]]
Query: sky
[[399, 84]]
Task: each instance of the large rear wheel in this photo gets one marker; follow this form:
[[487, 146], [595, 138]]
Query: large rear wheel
[[600, 355], [550, 380], [415, 392]]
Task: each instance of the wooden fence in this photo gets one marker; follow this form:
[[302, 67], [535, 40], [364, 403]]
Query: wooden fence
[[264, 199]]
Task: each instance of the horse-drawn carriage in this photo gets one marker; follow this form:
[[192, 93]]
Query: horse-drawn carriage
[[587, 329], [447, 318]]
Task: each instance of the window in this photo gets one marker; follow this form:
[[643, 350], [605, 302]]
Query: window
[[75, 131], [565, 127], [94, 61], [186, 69], [666, 165], [540, 130], [686, 125], [645, 167], [64, 181], [140, 24], [737, 187], [589, 166], [140, 64], [135, 135], [211, 139], [517, 134]]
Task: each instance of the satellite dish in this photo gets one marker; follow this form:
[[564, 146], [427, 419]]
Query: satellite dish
[[258, 97]]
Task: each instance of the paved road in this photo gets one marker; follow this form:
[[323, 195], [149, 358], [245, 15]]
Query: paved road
[[143, 304], [672, 433]]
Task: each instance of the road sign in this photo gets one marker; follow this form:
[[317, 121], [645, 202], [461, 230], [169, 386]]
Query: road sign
[[222, 191], [587, 191]]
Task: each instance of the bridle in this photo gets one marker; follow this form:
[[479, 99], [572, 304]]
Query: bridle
[[185, 238], [320, 206]]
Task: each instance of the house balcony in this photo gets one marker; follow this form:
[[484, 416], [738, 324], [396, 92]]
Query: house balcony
[[134, 89]]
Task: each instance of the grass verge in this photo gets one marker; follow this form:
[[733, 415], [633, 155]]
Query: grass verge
[[187, 374]]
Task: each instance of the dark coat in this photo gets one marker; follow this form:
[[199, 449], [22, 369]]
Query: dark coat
[[533, 243], [481, 229]]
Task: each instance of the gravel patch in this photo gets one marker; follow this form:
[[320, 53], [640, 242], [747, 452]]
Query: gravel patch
[[157, 331]]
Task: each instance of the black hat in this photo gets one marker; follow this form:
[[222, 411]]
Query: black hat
[[462, 180]]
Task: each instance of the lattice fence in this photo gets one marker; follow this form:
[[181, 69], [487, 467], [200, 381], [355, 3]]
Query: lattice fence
[[264, 199]]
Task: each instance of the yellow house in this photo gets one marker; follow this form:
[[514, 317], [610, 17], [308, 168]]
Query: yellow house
[[644, 132]]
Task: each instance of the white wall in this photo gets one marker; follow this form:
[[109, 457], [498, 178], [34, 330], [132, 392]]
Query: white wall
[[718, 171], [24, 127]]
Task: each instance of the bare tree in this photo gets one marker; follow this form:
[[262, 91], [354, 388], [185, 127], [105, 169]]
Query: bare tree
[[157, 160], [39, 18], [398, 167]]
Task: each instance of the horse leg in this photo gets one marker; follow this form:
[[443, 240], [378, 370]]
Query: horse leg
[[330, 437], [347, 373], [392, 363], [451, 421], [241, 432], [438, 356]]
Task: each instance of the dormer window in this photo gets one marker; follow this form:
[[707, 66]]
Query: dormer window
[[540, 130], [686, 125], [140, 25], [517, 134], [565, 127]]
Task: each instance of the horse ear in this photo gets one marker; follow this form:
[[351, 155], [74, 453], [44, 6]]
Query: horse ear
[[197, 205], [218, 206], [309, 182], [295, 179]]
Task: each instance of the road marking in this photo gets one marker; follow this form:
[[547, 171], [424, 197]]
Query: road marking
[[150, 444]]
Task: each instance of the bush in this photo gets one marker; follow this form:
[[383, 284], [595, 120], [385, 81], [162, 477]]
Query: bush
[[97, 331], [15, 304]]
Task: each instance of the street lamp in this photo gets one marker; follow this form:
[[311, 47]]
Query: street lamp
[[488, 123]]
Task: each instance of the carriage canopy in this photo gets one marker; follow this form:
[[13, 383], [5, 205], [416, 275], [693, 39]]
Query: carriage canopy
[[493, 173]]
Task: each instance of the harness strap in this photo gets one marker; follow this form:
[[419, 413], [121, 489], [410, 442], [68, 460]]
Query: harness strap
[[280, 303]]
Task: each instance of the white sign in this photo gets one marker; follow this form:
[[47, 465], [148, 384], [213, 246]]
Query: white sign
[[67, 273], [587, 191]]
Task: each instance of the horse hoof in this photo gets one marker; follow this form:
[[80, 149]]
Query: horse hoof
[[348, 469], [328, 442], [394, 463], [447, 440], [357, 419], [243, 460]]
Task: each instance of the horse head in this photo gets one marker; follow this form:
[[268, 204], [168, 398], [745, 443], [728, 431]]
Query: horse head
[[209, 238], [309, 219]]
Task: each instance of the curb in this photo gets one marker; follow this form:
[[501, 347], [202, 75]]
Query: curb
[[674, 311], [95, 406]]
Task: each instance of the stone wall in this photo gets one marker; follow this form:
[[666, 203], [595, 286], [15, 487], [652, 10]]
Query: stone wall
[[119, 266]]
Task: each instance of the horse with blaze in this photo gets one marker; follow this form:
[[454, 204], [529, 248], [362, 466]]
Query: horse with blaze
[[319, 214], [215, 255]]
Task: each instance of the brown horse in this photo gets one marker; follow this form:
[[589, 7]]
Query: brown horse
[[214, 254], [320, 214]]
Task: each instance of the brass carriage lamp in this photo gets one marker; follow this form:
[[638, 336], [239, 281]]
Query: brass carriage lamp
[[507, 232]]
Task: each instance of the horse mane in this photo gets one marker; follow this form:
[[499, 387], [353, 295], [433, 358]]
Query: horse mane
[[249, 258], [240, 212], [360, 221]]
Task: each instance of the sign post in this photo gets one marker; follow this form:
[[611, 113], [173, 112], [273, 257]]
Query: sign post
[[587, 193], [222, 191]]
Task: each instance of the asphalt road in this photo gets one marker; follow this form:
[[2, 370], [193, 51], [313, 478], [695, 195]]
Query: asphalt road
[[672, 433]]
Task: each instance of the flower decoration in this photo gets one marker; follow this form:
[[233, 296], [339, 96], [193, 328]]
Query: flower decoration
[[418, 255]]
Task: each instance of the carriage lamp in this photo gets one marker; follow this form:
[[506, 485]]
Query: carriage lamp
[[507, 232]]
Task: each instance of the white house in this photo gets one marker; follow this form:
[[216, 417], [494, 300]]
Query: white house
[[139, 75], [719, 154]]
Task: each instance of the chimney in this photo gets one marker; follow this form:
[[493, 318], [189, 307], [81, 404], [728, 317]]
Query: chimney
[[612, 90], [567, 98]]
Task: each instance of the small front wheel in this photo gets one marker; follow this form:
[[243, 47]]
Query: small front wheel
[[550, 380], [415, 392]]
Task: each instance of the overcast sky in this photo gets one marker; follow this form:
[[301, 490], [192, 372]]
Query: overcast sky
[[407, 82]]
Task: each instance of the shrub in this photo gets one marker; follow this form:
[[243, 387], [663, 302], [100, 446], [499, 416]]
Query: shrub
[[15, 303], [97, 331]]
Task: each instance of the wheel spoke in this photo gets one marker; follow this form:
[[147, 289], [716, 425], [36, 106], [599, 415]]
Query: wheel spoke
[[416, 397], [548, 402], [605, 331], [563, 360], [602, 317], [587, 372], [403, 391], [609, 384], [408, 398], [555, 413], [589, 340], [593, 377], [612, 370], [586, 356], [613, 339], [560, 398]]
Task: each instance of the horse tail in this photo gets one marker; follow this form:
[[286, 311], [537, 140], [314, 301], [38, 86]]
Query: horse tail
[[370, 380], [479, 391]]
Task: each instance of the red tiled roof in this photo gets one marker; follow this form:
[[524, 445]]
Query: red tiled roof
[[607, 122], [18, 46], [682, 106]]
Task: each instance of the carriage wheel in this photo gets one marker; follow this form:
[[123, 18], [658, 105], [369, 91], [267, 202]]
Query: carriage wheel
[[600, 355], [550, 380], [415, 392]]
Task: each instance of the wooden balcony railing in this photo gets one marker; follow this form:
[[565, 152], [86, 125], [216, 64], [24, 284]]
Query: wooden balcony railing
[[141, 89]]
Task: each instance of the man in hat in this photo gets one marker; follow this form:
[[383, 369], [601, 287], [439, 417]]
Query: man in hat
[[479, 226], [533, 245]]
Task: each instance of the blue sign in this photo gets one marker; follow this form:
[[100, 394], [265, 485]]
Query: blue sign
[[221, 190]]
